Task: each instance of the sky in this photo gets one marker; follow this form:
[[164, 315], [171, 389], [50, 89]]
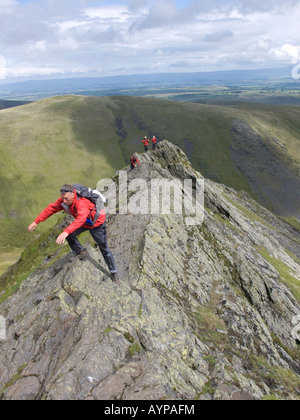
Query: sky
[[68, 38]]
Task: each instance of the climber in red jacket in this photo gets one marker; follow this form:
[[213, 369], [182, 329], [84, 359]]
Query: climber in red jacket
[[84, 211], [154, 142], [146, 144], [133, 161]]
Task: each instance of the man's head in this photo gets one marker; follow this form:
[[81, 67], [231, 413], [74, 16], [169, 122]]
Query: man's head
[[67, 194]]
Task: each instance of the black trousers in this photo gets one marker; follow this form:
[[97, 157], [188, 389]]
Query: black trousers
[[100, 237]]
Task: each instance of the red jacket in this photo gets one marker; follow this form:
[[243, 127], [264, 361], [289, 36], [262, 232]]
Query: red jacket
[[134, 160], [146, 142], [81, 209]]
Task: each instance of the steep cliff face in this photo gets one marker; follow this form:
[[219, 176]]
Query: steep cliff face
[[208, 311]]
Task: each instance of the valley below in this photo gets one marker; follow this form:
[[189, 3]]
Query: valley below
[[204, 312]]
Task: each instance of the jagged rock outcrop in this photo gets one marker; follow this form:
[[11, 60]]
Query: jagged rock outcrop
[[202, 312]]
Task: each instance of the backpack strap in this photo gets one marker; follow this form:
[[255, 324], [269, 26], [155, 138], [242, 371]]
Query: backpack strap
[[89, 219], [66, 208], [97, 214]]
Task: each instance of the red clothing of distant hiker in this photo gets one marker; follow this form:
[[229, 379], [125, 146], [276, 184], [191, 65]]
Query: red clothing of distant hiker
[[146, 144], [134, 160], [81, 209], [154, 142]]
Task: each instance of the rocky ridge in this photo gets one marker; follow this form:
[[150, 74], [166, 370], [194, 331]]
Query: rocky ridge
[[202, 312]]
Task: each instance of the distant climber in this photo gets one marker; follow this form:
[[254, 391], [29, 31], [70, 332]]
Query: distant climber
[[154, 142], [133, 161], [146, 143], [84, 212]]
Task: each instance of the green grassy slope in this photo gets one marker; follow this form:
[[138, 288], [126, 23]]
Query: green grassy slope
[[208, 129], [45, 144], [83, 139], [265, 166], [202, 131]]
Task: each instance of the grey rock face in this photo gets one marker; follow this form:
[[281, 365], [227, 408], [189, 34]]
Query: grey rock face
[[274, 181], [202, 312]]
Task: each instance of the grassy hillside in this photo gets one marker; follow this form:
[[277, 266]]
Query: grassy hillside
[[251, 147], [83, 139], [206, 130], [45, 144]]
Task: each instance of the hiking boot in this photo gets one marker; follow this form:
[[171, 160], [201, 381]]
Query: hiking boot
[[115, 278], [82, 255]]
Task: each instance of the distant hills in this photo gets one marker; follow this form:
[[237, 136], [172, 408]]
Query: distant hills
[[83, 139], [117, 85]]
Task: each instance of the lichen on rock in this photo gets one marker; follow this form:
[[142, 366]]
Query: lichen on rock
[[202, 312]]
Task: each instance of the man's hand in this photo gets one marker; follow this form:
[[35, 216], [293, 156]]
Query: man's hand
[[61, 238], [32, 227]]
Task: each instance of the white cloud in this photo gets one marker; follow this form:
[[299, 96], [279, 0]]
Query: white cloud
[[7, 6], [218, 36], [113, 14], [292, 51], [2, 67], [58, 36], [68, 44], [28, 71], [38, 47]]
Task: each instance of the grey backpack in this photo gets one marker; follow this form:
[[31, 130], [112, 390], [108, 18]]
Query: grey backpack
[[94, 196]]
